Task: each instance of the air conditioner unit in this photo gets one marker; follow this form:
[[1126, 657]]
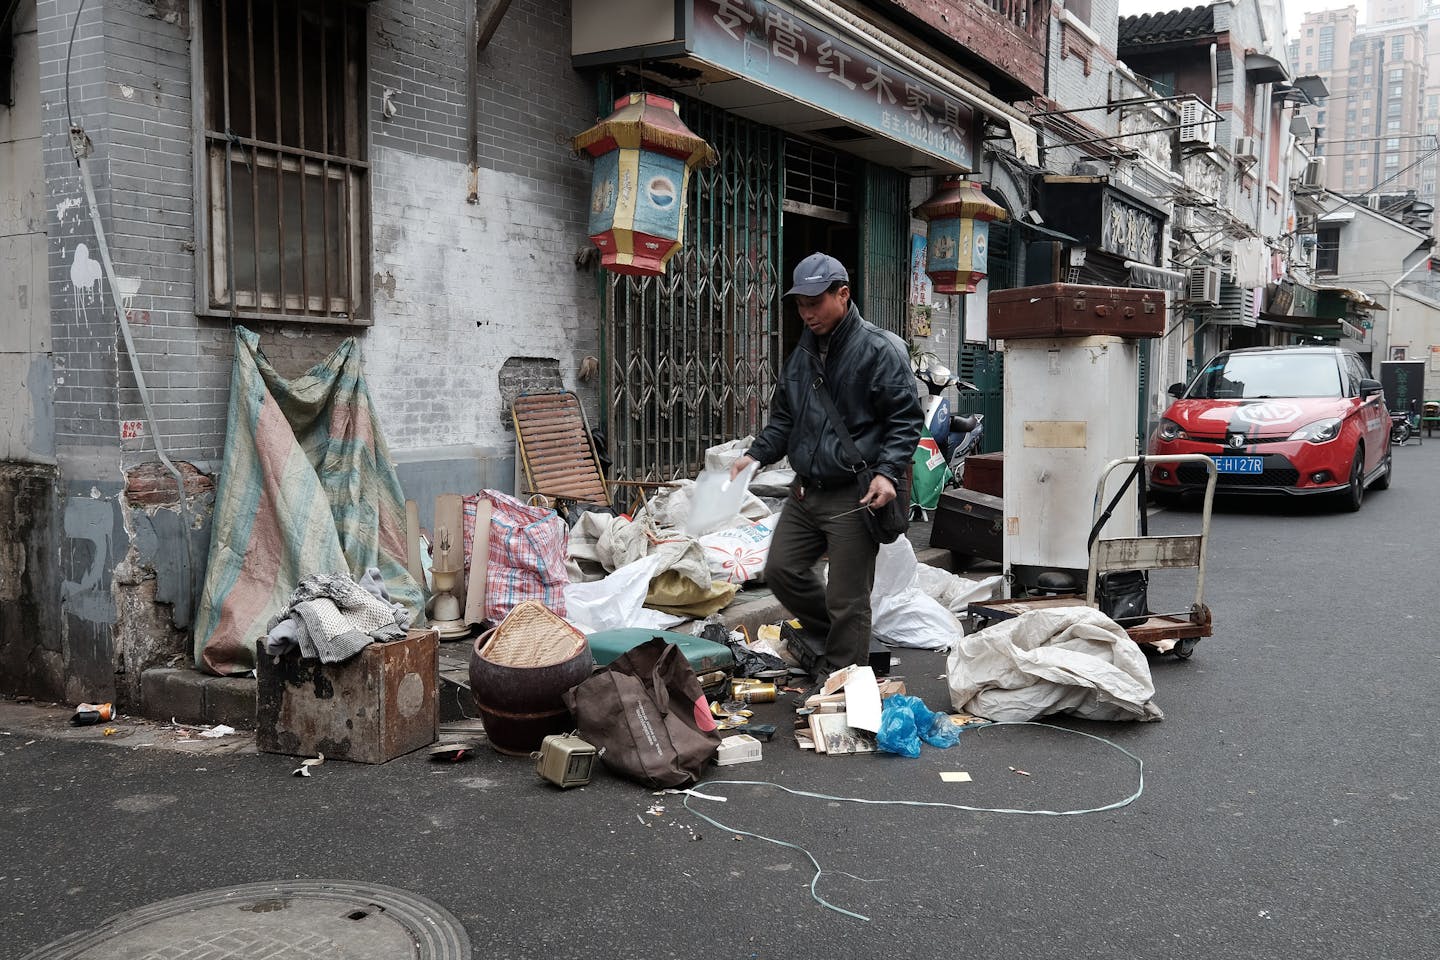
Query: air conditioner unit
[[1314, 175], [1245, 149], [1197, 126], [1203, 285]]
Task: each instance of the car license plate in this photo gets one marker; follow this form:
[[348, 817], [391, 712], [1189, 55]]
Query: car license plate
[[1240, 464]]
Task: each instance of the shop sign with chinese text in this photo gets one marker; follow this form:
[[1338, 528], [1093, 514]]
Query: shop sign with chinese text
[[775, 47]]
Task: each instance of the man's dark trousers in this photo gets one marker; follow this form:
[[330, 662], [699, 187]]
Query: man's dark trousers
[[814, 524]]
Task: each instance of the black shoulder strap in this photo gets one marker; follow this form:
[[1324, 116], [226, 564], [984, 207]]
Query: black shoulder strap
[[847, 442], [1138, 472]]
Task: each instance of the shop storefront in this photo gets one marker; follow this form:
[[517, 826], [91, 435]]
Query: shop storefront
[[820, 125]]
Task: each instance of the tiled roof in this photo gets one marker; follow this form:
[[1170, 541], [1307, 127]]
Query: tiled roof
[[1166, 27]]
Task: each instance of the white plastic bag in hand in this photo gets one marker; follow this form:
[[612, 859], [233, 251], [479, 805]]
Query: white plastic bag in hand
[[715, 501]]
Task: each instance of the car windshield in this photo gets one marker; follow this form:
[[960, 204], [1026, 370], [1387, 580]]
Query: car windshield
[[1244, 376]]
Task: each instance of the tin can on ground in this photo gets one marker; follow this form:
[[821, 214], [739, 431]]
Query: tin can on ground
[[752, 691], [87, 714]]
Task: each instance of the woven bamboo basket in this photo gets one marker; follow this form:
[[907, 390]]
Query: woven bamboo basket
[[532, 635]]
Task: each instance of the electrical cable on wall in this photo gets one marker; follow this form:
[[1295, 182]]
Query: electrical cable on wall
[[80, 147]]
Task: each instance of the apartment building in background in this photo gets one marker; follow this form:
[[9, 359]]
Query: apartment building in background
[[1377, 129]]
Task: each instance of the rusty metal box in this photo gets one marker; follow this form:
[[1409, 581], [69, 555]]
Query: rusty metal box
[[378, 705], [1076, 310], [970, 525], [985, 473]]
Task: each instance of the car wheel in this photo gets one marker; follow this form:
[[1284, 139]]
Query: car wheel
[[1355, 493], [1383, 481]]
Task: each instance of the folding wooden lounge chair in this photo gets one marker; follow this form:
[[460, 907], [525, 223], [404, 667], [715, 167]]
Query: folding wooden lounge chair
[[559, 456]]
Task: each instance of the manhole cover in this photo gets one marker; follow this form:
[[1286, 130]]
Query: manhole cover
[[303, 920]]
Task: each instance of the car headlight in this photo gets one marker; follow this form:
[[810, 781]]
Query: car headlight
[[1170, 430], [1320, 431]]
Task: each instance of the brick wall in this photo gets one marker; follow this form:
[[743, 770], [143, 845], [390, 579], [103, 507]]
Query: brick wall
[[83, 338], [460, 288], [477, 282]]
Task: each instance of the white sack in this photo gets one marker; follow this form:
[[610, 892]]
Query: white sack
[[901, 613], [670, 507], [738, 555], [1070, 660], [615, 542], [618, 600], [954, 592]]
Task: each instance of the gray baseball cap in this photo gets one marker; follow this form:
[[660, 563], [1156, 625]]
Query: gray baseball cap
[[815, 273]]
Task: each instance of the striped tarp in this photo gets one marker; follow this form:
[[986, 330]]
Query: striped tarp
[[307, 487]]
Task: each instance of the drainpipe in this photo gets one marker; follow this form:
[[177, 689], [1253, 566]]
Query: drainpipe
[[472, 105], [1390, 300]]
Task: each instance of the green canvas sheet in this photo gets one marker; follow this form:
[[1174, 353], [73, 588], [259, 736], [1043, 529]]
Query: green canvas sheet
[[307, 487]]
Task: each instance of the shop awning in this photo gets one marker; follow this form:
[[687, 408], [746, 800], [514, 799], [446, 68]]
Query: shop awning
[[808, 66], [1263, 68]]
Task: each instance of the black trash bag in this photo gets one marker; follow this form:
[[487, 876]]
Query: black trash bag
[[748, 663]]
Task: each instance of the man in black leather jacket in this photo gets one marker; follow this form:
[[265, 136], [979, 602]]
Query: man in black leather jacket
[[867, 373]]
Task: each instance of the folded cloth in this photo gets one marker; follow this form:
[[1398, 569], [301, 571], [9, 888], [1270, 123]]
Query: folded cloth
[[331, 617]]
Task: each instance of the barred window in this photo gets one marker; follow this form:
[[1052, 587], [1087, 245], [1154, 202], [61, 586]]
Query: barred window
[[287, 214]]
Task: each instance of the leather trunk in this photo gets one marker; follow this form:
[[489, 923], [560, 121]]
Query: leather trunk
[[1076, 310]]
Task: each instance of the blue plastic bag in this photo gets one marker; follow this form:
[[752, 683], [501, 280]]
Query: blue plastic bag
[[905, 721]]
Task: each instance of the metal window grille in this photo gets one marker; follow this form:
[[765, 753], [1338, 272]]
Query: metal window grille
[[818, 181], [885, 250], [285, 159], [1327, 250], [7, 63]]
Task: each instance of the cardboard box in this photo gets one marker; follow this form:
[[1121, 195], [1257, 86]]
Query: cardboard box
[[380, 704], [740, 748]]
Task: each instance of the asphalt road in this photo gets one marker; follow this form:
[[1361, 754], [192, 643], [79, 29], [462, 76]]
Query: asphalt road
[[1290, 806]]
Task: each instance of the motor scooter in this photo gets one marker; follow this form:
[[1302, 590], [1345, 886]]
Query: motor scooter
[[946, 440], [1400, 428]]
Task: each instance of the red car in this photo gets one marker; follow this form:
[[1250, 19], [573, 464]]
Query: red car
[[1291, 420]]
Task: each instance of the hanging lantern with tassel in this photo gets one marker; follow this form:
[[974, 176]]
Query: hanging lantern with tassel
[[958, 238], [643, 157]]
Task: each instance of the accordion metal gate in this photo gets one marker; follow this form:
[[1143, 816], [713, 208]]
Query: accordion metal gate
[[691, 357]]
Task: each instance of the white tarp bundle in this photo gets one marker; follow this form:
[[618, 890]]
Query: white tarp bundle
[[1070, 660], [913, 604]]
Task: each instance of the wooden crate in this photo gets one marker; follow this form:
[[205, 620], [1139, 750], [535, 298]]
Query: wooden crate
[[380, 704]]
